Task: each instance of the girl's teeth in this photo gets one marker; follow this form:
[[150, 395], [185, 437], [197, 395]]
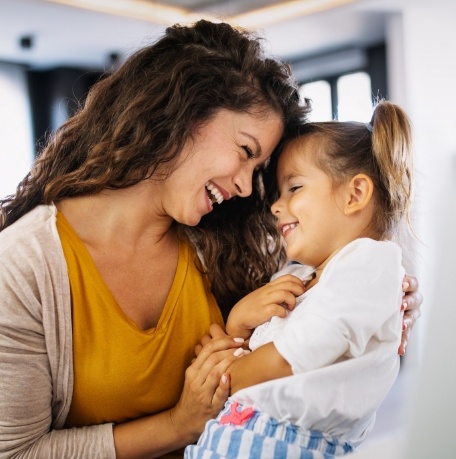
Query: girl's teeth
[[215, 193], [288, 227]]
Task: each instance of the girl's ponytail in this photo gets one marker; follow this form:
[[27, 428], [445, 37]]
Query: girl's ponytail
[[391, 145]]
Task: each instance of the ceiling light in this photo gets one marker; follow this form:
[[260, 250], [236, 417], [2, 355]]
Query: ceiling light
[[281, 12], [159, 13], [136, 9]]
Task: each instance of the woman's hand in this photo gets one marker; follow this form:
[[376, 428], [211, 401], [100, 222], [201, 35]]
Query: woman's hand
[[273, 299], [411, 304], [206, 386]]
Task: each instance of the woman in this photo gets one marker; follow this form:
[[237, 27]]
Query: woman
[[103, 296]]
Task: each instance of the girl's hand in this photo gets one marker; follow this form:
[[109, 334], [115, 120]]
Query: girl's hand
[[411, 303], [206, 385], [273, 299]]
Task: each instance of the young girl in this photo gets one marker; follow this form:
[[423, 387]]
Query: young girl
[[322, 365]]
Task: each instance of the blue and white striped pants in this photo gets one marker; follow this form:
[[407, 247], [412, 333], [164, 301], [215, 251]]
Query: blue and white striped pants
[[262, 437]]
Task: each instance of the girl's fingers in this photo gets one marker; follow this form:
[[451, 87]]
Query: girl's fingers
[[289, 283]]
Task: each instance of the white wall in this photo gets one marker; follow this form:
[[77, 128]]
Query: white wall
[[422, 48], [424, 38], [16, 144]]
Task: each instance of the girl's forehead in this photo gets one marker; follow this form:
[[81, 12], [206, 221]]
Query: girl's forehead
[[297, 152]]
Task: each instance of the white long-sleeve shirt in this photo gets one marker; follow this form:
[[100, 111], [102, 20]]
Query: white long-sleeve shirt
[[341, 342]]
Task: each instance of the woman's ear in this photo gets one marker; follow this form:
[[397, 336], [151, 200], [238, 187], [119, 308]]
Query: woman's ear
[[359, 193]]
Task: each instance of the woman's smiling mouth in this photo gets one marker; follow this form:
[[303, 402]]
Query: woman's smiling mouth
[[214, 193]]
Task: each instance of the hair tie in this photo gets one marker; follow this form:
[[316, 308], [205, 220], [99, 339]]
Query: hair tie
[[369, 127]]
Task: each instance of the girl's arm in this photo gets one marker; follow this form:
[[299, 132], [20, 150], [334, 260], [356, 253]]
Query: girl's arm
[[263, 364], [273, 299]]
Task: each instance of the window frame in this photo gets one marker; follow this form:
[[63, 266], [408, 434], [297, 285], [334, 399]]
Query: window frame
[[375, 66]]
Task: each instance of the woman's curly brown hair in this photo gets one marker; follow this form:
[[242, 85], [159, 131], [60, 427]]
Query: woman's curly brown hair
[[138, 119]]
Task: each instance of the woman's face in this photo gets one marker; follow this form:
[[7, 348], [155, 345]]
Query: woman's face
[[218, 163]]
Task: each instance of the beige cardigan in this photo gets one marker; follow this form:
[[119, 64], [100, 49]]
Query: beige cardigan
[[36, 350]]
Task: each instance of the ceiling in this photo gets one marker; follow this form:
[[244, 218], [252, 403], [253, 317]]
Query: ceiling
[[85, 33]]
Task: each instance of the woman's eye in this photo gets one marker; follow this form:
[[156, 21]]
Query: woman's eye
[[294, 188], [248, 151]]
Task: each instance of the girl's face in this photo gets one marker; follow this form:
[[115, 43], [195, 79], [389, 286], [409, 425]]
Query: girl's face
[[309, 210], [218, 163]]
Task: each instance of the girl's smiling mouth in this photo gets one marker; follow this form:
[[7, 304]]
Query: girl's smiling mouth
[[287, 228]]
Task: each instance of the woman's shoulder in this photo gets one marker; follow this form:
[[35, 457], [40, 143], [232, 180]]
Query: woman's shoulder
[[30, 224], [33, 237]]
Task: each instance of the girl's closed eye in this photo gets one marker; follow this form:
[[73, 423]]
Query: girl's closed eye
[[294, 188]]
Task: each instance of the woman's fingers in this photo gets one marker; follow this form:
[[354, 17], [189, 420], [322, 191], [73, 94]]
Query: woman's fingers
[[215, 364], [217, 332], [214, 349], [206, 385], [410, 283], [411, 304], [408, 321], [221, 393]]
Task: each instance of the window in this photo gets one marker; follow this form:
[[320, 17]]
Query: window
[[354, 101], [319, 92], [16, 144], [346, 98], [343, 84]]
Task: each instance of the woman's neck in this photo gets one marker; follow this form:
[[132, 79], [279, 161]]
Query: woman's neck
[[117, 218]]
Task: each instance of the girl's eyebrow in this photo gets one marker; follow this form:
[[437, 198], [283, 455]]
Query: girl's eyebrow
[[289, 177], [255, 141]]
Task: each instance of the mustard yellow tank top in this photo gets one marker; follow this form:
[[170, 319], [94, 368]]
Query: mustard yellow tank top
[[120, 371]]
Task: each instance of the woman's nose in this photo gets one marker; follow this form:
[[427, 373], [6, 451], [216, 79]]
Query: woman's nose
[[243, 184]]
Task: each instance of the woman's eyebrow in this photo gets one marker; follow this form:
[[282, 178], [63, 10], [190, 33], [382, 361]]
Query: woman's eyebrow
[[255, 141]]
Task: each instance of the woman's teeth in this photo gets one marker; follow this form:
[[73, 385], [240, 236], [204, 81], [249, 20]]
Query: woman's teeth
[[214, 193]]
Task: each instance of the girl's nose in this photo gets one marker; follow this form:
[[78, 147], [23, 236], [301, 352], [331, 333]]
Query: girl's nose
[[276, 207]]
